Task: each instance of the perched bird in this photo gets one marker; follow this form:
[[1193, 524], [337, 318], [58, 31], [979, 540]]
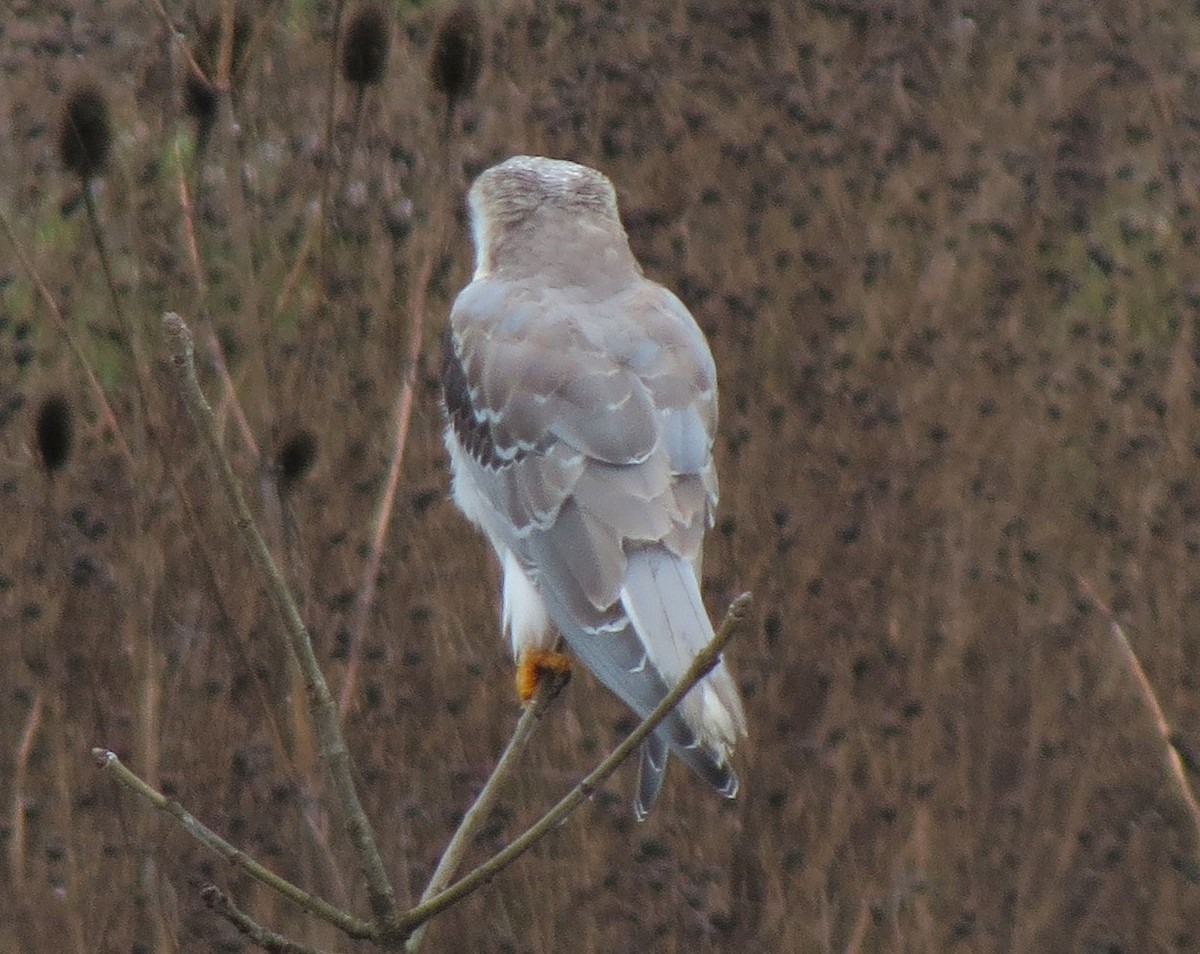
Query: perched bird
[[582, 403]]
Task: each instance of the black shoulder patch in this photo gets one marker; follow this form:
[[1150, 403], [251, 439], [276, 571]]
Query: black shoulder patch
[[472, 429]]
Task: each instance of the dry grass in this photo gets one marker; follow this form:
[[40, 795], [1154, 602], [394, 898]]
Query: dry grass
[[949, 274]]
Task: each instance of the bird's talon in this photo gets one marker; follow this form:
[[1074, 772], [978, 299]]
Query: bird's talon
[[534, 664]]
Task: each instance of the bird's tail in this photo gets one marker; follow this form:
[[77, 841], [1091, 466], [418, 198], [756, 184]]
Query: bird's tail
[[652, 766], [662, 599]]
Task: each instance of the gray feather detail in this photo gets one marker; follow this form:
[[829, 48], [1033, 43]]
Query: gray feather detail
[[662, 598], [652, 768], [614, 658], [685, 440]]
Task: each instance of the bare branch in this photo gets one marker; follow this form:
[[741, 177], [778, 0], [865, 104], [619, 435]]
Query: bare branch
[[700, 667], [547, 691], [268, 940], [329, 732], [350, 925]]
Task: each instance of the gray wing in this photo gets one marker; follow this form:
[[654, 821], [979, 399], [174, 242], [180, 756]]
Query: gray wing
[[589, 429]]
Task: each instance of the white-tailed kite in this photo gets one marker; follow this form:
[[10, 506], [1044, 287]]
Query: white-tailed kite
[[582, 405]]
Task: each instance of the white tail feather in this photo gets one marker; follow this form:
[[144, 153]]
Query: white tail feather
[[662, 598]]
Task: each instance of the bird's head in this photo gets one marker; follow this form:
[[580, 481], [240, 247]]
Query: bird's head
[[532, 212]]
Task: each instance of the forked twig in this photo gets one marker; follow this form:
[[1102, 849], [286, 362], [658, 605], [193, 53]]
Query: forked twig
[[700, 667], [329, 733], [547, 691], [350, 925], [409, 927], [268, 940]]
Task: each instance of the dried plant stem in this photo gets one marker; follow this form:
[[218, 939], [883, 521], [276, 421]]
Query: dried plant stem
[[141, 366], [1170, 755], [350, 925], [268, 17], [107, 417], [360, 96], [858, 934], [64, 795], [330, 116], [16, 839], [329, 733], [251, 929], [187, 209], [146, 654], [297, 270], [225, 55], [700, 667], [365, 599], [216, 354], [176, 32], [229, 627], [452, 857]]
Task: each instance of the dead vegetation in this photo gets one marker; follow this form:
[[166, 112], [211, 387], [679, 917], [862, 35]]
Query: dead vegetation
[[946, 259]]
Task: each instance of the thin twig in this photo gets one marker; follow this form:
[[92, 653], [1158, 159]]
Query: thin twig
[[1174, 764], [297, 270], [228, 625], [402, 416], [238, 70], [177, 34], [189, 224], [330, 116], [97, 233], [110, 279], [360, 95], [329, 733], [141, 367], [107, 416], [216, 354], [547, 691], [65, 798], [350, 925], [700, 667], [225, 52], [268, 940]]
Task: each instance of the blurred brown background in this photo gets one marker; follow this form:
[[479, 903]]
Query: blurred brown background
[[946, 256]]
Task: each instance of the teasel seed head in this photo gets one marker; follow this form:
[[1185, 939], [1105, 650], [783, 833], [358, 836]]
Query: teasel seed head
[[294, 458], [365, 51], [54, 432], [457, 57], [85, 139]]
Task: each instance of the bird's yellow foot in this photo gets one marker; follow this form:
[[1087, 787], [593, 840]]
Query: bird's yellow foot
[[533, 664]]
